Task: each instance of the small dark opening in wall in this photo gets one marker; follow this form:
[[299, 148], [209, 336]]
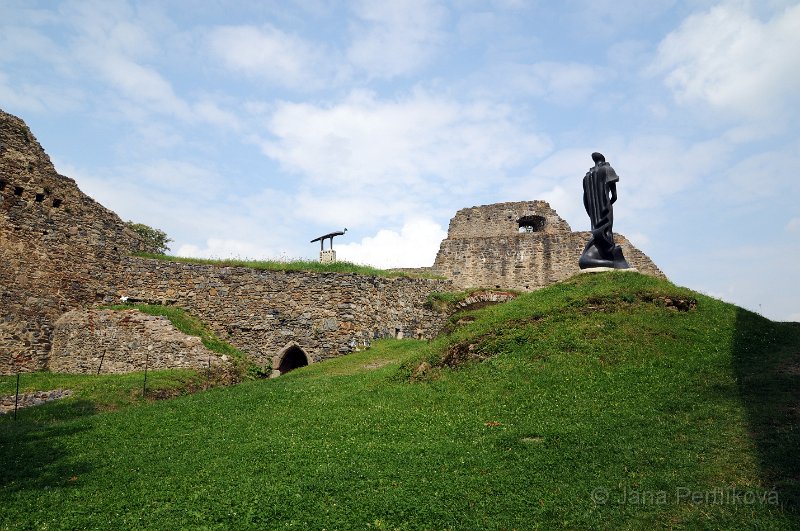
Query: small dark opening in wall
[[18, 190], [2, 184], [56, 203], [531, 224], [30, 167], [292, 359], [398, 333], [39, 198]]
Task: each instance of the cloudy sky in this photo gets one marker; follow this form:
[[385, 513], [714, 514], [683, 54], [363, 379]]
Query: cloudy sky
[[248, 128]]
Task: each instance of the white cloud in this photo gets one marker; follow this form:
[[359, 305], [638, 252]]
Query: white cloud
[[652, 169], [20, 43], [639, 239], [415, 245], [733, 61], [419, 143], [208, 111], [269, 53], [227, 248], [396, 38], [137, 83], [25, 97], [562, 83], [768, 174]]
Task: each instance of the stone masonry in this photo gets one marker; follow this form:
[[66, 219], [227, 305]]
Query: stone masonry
[[523, 245], [56, 244], [109, 341], [62, 251], [62, 255], [260, 312]]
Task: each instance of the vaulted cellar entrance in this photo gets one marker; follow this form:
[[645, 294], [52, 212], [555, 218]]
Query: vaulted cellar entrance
[[289, 358]]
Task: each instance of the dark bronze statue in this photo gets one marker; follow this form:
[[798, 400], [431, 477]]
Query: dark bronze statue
[[599, 194]]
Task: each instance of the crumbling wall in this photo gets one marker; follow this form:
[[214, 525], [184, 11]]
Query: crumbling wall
[[112, 341], [485, 248], [55, 246], [503, 219], [260, 312]]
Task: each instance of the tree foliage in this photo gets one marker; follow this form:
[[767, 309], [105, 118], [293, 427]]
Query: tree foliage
[[154, 240]]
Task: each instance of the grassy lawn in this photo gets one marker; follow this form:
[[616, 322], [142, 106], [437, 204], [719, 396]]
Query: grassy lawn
[[594, 403]]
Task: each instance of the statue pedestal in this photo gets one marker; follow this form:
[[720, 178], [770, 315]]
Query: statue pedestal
[[601, 269]]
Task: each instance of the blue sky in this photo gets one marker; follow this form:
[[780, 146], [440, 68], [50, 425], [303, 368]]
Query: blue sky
[[249, 128]]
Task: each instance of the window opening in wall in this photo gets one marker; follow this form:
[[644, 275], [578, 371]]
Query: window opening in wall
[[2, 184], [56, 203], [531, 224], [39, 198], [18, 190]]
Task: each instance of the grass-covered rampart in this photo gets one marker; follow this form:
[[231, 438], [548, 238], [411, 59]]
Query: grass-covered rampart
[[291, 265], [610, 401]]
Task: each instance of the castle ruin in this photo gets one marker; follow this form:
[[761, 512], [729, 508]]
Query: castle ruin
[[523, 246], [63, 256]]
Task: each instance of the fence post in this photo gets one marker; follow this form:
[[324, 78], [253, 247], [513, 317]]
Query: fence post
[[146, 359], [16, 398]]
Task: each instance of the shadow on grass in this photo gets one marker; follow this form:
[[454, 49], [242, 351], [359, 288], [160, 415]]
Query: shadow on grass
[[766, 357], [32, 450]]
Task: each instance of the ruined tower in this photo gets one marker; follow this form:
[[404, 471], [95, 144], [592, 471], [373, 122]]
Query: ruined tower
[[522, 245]]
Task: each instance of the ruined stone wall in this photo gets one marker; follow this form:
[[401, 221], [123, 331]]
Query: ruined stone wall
[[55, 245], [503, 219], [260, 312], [111, 341], [484, 248], [61, 251]]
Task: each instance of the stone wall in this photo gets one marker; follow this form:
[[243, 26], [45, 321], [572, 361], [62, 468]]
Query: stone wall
[[111, 341], [55, 246], [62, 251], [485, 248], [260, 312], [503, 219]]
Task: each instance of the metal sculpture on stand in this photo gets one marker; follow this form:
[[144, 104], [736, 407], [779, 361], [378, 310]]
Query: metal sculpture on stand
[[329, 256]]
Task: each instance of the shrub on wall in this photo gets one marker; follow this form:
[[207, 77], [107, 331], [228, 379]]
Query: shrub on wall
[[154, 240]]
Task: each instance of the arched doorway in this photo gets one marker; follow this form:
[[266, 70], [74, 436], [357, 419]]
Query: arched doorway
[[291, 357]]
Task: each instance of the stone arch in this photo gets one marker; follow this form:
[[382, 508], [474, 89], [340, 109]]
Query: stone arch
[[290, 357], [481, 298]]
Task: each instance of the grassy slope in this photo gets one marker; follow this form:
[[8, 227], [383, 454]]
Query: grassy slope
[[595, 386]]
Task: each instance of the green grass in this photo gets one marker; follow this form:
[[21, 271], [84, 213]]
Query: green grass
[[593, 386], [292, 265], [97, 393]]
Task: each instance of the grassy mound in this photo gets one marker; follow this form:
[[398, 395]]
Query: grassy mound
[[611, 401]]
